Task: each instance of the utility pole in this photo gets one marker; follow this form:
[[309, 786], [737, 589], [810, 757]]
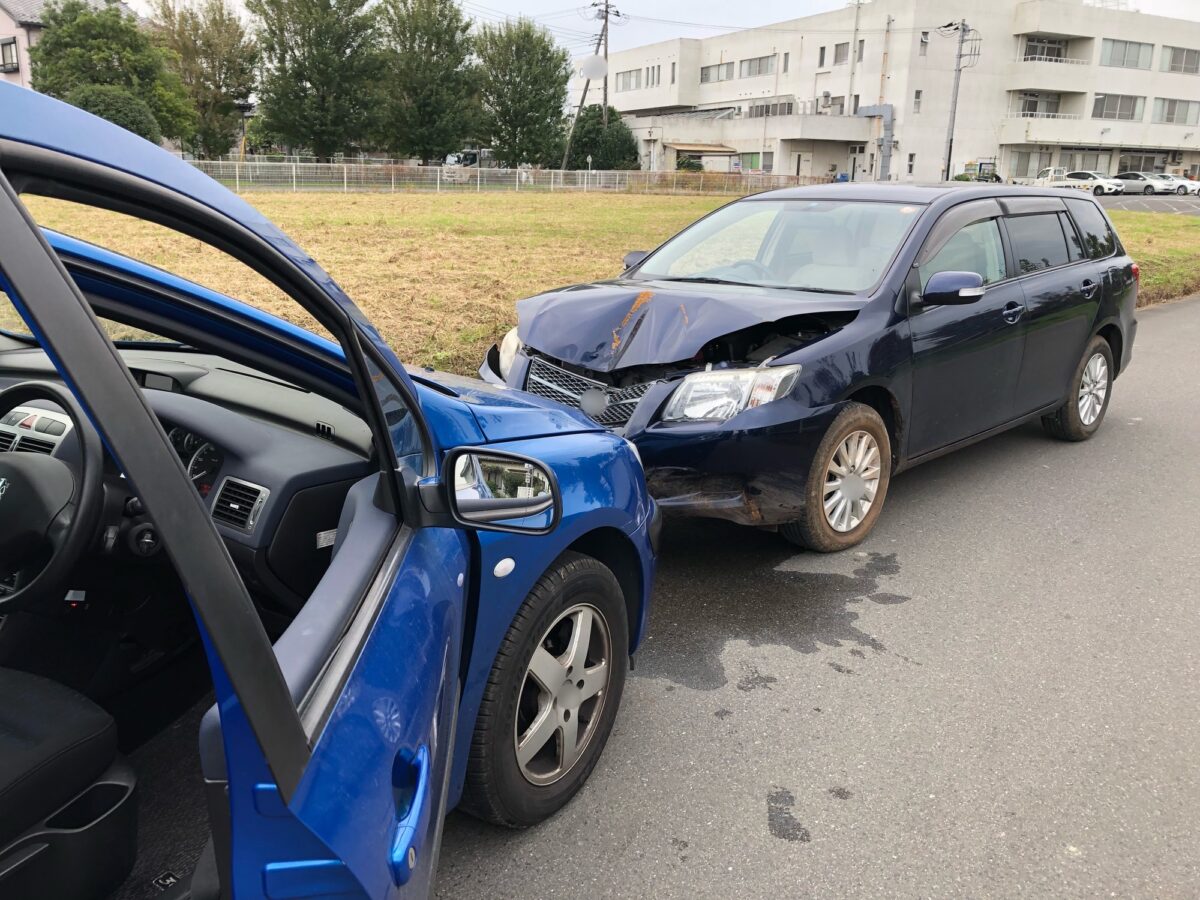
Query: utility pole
[[602, 40], [604, 35], [963, 29]]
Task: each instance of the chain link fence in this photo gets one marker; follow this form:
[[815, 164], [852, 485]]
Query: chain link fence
[[355, 177]]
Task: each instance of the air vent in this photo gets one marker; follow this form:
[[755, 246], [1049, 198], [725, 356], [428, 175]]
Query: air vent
[[238, 503], [325, 430], [6, 441], [34, 445]]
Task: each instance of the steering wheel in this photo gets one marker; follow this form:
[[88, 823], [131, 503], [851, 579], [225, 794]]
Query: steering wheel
[[48, 512], [754, 266]]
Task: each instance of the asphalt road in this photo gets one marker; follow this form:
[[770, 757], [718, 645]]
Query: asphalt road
[[997, 695], [1181, 206]]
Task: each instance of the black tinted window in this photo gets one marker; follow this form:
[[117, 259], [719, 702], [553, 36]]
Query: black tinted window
[[1098, 238], [1037, 242], [1074, 245]]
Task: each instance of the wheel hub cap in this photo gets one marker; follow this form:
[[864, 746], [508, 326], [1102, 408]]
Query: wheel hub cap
[[562, 694], [1093, 389], [851, 481]]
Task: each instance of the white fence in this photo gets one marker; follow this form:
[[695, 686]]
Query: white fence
[[353, 177]]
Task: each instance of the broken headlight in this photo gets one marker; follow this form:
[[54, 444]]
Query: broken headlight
[[508, 352], [715, 396]]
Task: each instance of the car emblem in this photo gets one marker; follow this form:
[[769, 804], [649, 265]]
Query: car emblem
[[3, 487], [593, 401]]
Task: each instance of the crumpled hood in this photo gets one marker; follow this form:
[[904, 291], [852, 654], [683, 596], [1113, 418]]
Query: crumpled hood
[[612, 325]]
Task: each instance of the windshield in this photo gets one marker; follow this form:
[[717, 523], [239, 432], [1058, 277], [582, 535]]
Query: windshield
[[826, 246]]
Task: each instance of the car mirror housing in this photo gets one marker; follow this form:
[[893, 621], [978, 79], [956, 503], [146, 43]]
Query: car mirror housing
[[633, 257], [953, 288], [493, 490]]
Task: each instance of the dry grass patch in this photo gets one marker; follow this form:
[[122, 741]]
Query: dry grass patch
[[439, 274]]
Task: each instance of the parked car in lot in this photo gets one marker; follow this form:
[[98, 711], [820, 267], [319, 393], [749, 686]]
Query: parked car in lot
[[1181, 185], [779, 360], [412, 591], [1095, 182], [1145, 183]]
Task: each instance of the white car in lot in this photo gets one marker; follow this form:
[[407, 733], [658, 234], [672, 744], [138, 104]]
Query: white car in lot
[[1145, 183], [1057, 176], [1182, 185]]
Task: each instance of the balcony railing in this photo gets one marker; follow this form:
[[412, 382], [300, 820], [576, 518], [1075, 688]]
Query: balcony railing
[[1027, 114], [1066, 60]]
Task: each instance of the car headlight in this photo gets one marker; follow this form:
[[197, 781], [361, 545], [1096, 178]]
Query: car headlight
[[634, 450], [508, 352], [715, 396]]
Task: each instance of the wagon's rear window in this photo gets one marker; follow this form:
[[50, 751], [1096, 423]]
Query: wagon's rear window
[[839, 246]]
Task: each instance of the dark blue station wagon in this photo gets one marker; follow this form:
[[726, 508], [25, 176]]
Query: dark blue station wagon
[[779, 360]]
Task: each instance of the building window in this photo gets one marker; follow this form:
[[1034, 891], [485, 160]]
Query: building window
[[924, 43], [837, 106], [1176, 112], [862, 45], [841, 53], [1138, 162], [1034, 105], [717, 72], [768, 159], [1026, 164], [1045, 48], [629, 80], [916, 101], [1180, 59], [854, 105], [1087, 161], [1125, 54], [759, 65], [782, 108], [1118, 106], [8, 55], [750, 161], [786, 56], [672, 73], [821, 58], [912, 162]]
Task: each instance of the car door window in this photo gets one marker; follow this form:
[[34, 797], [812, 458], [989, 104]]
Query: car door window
[[1074, 244], [1038, 242], [974, 248], [1098, 238]]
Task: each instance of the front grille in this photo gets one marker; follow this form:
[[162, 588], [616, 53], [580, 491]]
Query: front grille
[[550, 381]]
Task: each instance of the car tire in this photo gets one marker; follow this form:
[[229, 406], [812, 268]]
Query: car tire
[[815, 530], [499, 788], [1181, 190], [1078, 419], [1148, 189], [1098, 190]]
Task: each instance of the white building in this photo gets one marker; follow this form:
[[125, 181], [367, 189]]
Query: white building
[[1079, 83]]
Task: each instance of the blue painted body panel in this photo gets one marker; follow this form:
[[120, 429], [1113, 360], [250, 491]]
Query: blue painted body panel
[[407, 710]]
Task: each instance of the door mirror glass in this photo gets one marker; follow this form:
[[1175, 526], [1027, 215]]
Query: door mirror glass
[[497, 491], [633, 257], [947, 288]]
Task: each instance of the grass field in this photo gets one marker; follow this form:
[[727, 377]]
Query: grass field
[[440, 274]]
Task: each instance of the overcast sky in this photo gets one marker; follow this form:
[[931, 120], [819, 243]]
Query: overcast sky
[[575, 26]]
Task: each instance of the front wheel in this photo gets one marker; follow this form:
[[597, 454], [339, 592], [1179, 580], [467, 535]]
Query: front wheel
[[1098, 190], [1080, 416], [1149, 189], [847, 483], [552, 695], [1181, 190]]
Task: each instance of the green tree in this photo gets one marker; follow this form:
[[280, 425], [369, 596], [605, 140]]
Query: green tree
[[430, 105], [214, 57], [320, 67], [611, 147], [523, 90], [84, 46], [109, 101]]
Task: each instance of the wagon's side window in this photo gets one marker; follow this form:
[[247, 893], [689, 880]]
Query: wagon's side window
[[974, 248]]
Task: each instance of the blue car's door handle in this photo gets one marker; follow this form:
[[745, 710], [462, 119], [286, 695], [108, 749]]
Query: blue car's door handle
[[1012, 312], [410, 781]]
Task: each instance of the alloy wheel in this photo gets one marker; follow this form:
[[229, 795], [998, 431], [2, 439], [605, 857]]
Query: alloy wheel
[[563, 694], [851, 481], [1093, 388]]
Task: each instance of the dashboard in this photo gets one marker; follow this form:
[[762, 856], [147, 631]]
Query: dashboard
[[200, 457]]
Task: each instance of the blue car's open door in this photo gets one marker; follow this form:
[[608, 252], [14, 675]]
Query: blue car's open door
[[335, 780]]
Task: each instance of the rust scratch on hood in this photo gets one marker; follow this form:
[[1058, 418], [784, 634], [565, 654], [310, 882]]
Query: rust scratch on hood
[[683, 309], [641, 300]]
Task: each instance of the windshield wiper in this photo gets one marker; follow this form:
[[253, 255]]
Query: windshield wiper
[[707, 279], [818, 290]]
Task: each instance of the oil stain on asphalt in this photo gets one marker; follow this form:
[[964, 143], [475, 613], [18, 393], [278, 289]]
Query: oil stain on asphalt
[[780, 820], [718, 583]]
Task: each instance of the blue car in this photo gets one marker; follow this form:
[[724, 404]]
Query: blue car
[[779, 360], [273, 603]]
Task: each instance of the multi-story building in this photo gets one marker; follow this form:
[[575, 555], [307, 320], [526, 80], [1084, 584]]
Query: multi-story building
[[20, 28], [1079, 83]]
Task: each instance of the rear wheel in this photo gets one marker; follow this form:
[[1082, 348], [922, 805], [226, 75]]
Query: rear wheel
[[847, 483], [552, 695], [1080, 416]]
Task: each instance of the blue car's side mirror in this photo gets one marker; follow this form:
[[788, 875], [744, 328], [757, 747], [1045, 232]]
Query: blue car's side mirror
[[493, 490], [633, 257], [953, 288]]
